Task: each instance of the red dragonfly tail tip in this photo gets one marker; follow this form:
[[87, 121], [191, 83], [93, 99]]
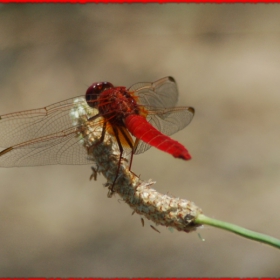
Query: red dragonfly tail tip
[[184, 156]]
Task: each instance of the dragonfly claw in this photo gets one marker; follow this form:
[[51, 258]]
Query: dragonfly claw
[[94, 173]]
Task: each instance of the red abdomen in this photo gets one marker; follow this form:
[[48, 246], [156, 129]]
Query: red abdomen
[[143, 130]]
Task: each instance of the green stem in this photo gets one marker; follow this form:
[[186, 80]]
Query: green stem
[[204, 220]]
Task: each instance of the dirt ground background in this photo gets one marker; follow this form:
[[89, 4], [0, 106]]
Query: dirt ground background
[[226, 60]]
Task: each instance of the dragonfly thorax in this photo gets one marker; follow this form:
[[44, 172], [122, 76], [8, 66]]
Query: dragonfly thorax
[[115, 104]]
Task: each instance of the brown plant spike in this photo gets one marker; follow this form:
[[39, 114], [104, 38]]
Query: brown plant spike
[[159, 208]]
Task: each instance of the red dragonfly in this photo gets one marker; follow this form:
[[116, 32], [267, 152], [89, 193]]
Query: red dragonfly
[[137, 117]]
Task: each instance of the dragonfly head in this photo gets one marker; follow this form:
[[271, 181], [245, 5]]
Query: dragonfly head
[[94, 91]]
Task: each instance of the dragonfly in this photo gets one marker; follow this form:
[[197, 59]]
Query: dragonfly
[[136, 118]]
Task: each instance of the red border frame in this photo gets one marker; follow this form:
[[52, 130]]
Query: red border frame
[[139, 278], [141, 1]]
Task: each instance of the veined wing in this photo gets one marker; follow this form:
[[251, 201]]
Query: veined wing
[[158, 99], [147, 133], [168, 122], [58, 148], [43, 136], [23, 126], [160, 94]]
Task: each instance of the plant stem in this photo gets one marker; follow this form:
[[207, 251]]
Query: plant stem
[[164, 210], [204, 220]]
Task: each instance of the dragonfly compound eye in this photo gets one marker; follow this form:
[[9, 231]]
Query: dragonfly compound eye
[[94, 91]]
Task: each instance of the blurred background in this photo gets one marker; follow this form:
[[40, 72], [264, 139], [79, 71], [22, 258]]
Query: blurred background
[[226, 61]]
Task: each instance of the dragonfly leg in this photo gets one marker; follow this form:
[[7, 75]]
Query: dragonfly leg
[[129, 143], [103, 132], [133, 149], [132, 146], [101, 139], [103, 128], [94, 173], [111, 188], [89, 150], [154, 228]]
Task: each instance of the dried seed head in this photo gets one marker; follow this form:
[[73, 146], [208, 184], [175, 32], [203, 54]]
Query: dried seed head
[[161, 209]]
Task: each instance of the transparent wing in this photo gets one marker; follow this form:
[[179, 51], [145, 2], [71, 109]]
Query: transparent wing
[[158, 95], [53, 149], [158, 100], [41, 136], [168, 122], [23, 126], [49, 135]]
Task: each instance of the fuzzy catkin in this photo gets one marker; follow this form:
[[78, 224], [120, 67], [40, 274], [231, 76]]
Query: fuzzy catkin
[[144, 200]]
